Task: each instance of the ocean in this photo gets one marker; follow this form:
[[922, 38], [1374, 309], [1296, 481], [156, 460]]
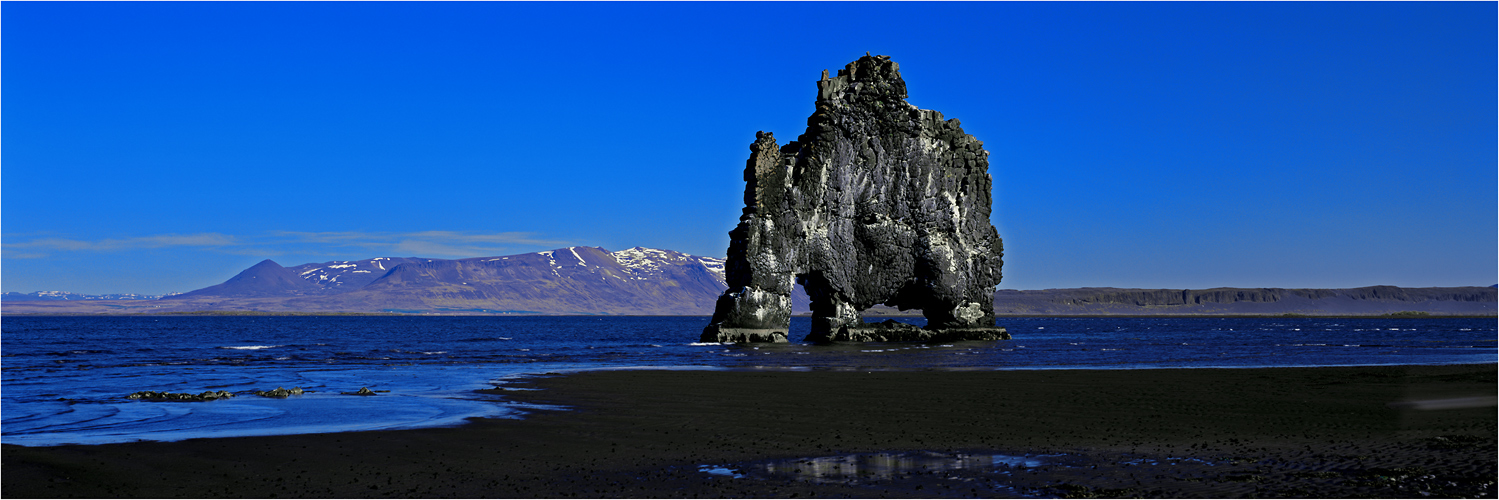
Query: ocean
[[65, 379]]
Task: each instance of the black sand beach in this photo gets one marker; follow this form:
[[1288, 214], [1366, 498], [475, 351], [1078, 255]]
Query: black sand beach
[[1282, 432]]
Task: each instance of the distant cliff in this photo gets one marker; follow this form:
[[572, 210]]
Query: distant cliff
[[1258, 301]]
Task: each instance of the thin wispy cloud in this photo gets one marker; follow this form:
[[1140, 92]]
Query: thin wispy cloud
[[510, 238], [9, 255], [416, 244], [324, 237], [376, 238], [113, 244], [436, 249]]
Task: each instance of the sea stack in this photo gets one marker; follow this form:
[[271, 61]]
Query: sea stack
[[878, 202]]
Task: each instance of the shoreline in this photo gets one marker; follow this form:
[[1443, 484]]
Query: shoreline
[[797, 315], [518, 410], [634, 433]]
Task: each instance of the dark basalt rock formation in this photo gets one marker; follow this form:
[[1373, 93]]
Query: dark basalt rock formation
[[877, 203]]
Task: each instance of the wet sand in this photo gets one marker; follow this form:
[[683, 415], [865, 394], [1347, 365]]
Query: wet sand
[[1299, 432]]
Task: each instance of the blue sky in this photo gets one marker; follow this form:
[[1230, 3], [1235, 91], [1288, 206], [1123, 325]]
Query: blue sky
[[158, 147]]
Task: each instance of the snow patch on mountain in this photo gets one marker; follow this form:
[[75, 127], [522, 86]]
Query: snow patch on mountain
[[646, 263], [551, 256], [643, 262], [713, 264]]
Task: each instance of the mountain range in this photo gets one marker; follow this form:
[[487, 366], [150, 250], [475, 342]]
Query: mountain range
[[646, 281], [60, 295], [573, 280]]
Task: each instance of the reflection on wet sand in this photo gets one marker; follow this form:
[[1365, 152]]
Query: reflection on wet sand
[[877, 466], [966, 474], [863, 467]]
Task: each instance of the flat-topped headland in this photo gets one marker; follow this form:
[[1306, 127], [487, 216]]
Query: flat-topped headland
[[1361, 301], [1379, 431]]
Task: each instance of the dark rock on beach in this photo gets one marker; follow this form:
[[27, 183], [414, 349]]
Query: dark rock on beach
[[878, 202], [179, 396], [280, 393]]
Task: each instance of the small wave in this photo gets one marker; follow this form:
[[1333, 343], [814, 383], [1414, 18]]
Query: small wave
[[249, 347]]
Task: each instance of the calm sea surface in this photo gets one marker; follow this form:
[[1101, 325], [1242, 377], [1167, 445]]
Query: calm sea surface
[[66, 378]]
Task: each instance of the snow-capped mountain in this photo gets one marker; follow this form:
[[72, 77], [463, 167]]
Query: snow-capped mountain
[[266, 279], [573, 280], [646, 263], [348, 275]]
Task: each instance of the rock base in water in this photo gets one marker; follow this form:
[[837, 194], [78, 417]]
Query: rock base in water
[[715, 333], [894, 331], [960, 334]]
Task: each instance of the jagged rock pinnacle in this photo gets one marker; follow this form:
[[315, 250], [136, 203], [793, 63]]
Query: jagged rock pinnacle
[[877, 202]]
